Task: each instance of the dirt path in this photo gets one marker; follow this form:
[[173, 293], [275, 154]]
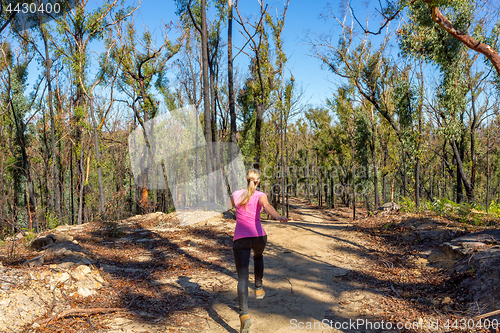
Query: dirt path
[[170, 279], [323, 273], [306, 263]]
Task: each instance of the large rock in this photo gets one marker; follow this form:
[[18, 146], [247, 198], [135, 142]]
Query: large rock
[[478, 242], [389, 206], [490, 237], [452, 251], [481, 263], [43, 242]]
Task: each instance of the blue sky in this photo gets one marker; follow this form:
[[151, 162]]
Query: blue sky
[[302, 16]]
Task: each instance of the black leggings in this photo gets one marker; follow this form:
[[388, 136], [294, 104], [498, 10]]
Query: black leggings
[[241, 249]]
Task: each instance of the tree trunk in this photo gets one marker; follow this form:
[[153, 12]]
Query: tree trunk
[[332, 193], [392, 190], [206, 91], [417, 181], [71, 186], [316, 180], [488, 170], [102, 209], [461, 172], [55, 197], [374, 159], [473, 143], [213, 126], [82, 184], [307, 176], [405, 187], [459, 195], [216, 163], [353, 179], [287, 180], [432, 188], [419, 146], [353, 190], [258, 129], [404, 176], [282, 137], [230, 86], [443, 173], [384, 179]]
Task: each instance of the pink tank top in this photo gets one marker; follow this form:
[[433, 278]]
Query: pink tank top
[[248, 220]]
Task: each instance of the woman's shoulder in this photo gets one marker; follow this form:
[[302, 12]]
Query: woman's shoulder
[[259, 193], [238, 192]]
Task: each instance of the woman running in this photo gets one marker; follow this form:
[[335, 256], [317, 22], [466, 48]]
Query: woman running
[[249, 235]]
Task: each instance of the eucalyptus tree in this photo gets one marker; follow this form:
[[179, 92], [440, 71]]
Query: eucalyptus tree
[[374, 77], [259, 87], [462, 82], [480, 33], [47, 59], [230, 84], [141, 65], [285, 93], [17, 114], [91, 95], [343, 103], [78, 28], [320, 122], [195, 16]]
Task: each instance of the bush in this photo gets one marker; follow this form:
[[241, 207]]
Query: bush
[[463, 212], [407, 204], [30, 236], [51, 221], [494, 209]]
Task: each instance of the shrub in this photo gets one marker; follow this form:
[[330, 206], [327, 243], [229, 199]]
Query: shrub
[[407, 204], [51, 221], [466, 213], [31, 235]]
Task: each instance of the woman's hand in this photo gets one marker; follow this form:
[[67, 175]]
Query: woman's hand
[[270, 209], [282, 219]]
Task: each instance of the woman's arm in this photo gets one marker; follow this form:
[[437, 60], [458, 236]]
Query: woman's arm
[[232, 201], [270, 209]]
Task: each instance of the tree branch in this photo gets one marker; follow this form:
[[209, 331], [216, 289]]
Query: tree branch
[[192, 17], [469, 41]]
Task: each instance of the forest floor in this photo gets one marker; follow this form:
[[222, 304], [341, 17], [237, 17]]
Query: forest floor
[[323, 273]]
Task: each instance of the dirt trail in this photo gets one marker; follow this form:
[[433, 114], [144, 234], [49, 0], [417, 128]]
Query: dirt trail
[[306, 263], [323, 273], [171, 279]]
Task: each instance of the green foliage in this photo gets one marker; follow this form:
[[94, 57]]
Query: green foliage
[[30, 235], [52, 221], [465, 213], [407, 204], [494, 208]]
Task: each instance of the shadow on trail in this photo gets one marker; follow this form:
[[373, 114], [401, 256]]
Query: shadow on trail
[[154, 280], [157, 280], [196, 291], [304, 226], [159, 287]]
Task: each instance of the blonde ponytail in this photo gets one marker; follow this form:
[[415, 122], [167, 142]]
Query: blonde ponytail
[[253, 178]]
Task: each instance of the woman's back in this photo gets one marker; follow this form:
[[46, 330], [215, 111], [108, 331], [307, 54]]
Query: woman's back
[[248, 217]]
